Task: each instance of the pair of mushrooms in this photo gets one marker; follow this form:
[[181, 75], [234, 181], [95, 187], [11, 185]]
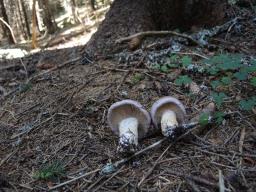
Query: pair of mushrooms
[[131, 122]]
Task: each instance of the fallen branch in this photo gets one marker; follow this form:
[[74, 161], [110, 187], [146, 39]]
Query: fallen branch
[[10, 30], [55, 68], [142, 35], [75, 179]]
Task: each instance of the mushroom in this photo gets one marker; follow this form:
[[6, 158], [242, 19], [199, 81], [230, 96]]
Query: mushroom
[[130, 121], [167, 113]]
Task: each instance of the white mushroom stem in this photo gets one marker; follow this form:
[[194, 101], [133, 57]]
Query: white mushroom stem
[[128, 129], [168, 121]]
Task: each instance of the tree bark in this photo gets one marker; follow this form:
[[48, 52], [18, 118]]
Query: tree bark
[[127, 17], [75, 12], [27, 24], [48, 18], [5, 21]]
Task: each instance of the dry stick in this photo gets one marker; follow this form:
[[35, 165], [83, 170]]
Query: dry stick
[[155, 164], [221, 182], [103, 183], [10, 30], [95, 183], [55, 68], [75, 179], [7, 157], [192, 54], [241, 140], [241, 143], [193, 178], [142, 35], [122, 161], [186, 126]]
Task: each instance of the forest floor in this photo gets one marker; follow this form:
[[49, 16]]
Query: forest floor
[[53, 107]]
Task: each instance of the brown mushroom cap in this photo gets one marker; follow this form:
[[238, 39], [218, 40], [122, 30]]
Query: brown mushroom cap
[[125, 109], [164, 104]]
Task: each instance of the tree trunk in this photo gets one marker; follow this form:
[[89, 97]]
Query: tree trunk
[[75, 12], [27, 24], [127, 17], [93, 5], [7, 29], [48, 18]]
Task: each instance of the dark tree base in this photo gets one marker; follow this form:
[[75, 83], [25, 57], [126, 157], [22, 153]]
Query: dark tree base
[[127, 17]]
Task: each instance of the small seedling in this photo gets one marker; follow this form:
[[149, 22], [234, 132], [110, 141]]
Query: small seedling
[[186, 61], [253, 81], [248, 105], [50, 171], [219, 117], [204, 119], [218, 98], [137, 78], [183, 80]]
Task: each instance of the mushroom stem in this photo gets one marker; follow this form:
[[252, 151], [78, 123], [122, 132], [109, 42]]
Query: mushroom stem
[[128, 135], [168, 123]]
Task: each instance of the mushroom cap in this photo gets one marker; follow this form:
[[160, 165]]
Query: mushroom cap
[[125, 109], [164, 104]]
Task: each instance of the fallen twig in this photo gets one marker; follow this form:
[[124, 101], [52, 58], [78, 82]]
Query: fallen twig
[[144, 34], [74, 179], [55, 68], [7, 157]]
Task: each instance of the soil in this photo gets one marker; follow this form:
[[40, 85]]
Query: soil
[[60, 116]]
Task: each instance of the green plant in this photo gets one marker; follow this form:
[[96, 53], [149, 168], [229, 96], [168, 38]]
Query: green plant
[[50, 171], [183, 80], [215, 84], [226, 80], [137, 78], [253, 81], [186, 61], [248, 104], [225, 62], [204, 119], [218, 117], [241, 75], [218, 98]]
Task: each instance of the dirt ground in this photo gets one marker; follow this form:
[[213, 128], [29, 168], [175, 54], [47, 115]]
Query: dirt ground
[[60, 116]]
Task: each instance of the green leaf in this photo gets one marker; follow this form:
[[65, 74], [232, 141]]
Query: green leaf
[[219, 117], [247, 105], [213, 70], [218, 98], [204, 119], [241, 75], [174, 58], [164, 69], [172, 65], [225, 61], [226, 80], [253, 81], [137, 78], [215, 84], [183, 80], [186, 61], [156, 66], [230, 62]]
